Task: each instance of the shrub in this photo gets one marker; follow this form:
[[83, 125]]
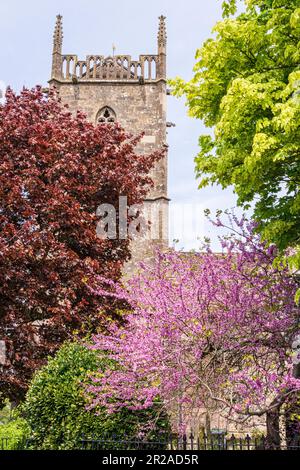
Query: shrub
[[14, 434], [55, 405]]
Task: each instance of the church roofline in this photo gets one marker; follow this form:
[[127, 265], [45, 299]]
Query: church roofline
[[148, 67]]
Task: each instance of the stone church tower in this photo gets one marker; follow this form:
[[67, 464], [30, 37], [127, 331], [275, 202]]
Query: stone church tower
[[132, 92]]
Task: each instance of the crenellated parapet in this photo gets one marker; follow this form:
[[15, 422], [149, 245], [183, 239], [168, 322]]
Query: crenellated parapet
[[119, 67], [69, 68]]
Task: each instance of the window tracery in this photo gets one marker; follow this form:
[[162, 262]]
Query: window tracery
[[106, 115]]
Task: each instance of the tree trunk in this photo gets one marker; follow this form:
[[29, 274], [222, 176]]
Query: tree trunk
[[207, 425], [292, 425], [273, 431], [292, 431]]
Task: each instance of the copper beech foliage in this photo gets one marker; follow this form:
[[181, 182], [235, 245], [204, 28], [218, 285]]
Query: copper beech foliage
[[55, 169]]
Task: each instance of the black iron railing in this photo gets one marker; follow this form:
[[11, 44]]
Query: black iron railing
[[171, 442], [185, 442]]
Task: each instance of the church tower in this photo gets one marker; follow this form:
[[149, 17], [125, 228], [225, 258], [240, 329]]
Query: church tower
[[132, 92]]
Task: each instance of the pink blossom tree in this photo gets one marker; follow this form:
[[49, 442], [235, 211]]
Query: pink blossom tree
[[205, 330]]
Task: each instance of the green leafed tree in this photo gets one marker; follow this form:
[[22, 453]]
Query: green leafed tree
[[246, 86]]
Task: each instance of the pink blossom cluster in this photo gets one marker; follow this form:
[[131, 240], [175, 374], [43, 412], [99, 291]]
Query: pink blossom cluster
[[203, 330]]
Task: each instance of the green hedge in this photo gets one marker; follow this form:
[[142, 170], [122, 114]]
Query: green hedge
[[55, 405], [14, 434]]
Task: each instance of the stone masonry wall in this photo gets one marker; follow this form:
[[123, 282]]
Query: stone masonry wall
[[139, 108]]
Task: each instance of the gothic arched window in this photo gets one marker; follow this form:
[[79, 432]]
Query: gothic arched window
[[106, 115]]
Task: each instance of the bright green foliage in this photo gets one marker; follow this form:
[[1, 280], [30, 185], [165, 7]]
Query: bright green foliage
[[246, 86], [14, 430], [13, 434], [55, 406]]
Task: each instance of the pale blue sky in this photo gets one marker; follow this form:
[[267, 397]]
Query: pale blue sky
[[92, 26]]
